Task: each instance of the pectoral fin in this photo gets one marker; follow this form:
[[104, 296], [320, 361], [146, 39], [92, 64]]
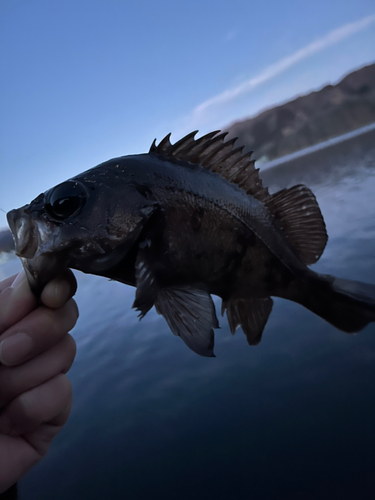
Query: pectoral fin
[[190, 314], [147, 287], [250, 314]]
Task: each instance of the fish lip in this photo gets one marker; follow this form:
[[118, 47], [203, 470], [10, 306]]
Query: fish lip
[[23, 228], [33, 244]]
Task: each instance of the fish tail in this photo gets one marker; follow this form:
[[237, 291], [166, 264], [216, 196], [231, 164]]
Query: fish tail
[[348, 305]]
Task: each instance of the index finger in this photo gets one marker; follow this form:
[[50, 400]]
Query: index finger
[[16, 301], [7, 282]]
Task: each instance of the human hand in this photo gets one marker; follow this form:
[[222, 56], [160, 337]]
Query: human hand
[[36, 351]]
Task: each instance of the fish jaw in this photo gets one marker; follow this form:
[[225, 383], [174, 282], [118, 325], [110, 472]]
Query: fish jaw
[[23, 231], [47, 248], [34, 242]]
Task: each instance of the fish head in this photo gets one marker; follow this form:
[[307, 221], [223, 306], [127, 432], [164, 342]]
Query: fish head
[[84, 223]]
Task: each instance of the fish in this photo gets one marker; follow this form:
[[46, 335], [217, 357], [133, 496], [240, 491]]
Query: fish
[[181, 223]]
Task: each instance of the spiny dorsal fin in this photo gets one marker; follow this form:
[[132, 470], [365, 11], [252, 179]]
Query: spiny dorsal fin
[[298, 213], [212, 153]]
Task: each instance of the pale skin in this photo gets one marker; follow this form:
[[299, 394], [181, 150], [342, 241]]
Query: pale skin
[[36, 352]]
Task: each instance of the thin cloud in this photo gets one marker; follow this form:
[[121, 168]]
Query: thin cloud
[[279, 67]]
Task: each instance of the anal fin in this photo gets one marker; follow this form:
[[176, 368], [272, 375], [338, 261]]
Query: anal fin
[[190, 314], [250, 314]]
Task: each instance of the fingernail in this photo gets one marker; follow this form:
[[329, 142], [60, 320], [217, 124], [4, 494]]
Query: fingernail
[[15, 349], [56, 293]]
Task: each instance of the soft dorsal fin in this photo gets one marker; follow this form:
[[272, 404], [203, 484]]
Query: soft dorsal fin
[[299, 215], [211, 152]]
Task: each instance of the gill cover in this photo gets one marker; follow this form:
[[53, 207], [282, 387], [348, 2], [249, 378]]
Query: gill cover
[[80, 224]]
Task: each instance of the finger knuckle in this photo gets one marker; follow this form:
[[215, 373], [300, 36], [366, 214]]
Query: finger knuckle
[[26, 406], [59, 321]]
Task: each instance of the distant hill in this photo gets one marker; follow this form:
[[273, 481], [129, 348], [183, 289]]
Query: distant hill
[[312, 118], [6, 241]]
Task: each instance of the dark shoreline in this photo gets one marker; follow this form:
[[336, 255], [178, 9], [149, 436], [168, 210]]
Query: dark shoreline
[[322, 165]]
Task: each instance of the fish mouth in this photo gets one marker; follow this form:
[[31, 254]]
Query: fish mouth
[[33, 241], [23, 228]]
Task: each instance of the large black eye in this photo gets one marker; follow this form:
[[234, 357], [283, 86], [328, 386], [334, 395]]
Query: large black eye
[[65, 200]]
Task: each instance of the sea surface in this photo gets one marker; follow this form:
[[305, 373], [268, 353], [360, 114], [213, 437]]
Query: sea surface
[[292, 418]]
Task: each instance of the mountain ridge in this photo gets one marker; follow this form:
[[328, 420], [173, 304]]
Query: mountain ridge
[[311, 118]]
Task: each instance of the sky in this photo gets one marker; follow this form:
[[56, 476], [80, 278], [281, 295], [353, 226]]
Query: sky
[[87, 80]]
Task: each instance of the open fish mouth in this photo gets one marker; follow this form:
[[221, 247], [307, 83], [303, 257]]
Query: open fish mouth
[[23, 230], [33, 241]]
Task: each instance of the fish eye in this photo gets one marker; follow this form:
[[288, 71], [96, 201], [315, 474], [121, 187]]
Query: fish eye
[[65, 200]]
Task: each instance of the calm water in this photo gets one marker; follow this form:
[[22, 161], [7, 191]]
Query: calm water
[[292, 418]]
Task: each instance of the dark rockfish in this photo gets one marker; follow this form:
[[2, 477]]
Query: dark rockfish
[[185, 221]]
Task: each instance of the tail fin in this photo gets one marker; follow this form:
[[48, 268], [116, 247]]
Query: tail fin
[[347, 305]]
